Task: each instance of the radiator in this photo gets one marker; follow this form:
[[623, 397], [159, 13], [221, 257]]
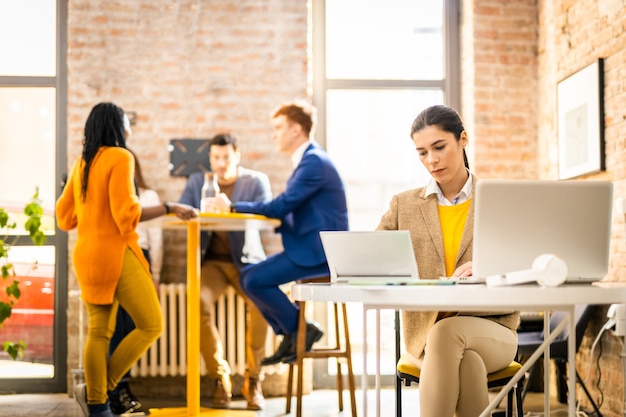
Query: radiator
[[168, 355]]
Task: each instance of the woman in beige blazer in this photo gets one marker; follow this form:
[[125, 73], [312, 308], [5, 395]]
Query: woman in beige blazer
[[455, 350]]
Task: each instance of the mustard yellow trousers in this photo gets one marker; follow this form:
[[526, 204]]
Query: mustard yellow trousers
[[136, 294]]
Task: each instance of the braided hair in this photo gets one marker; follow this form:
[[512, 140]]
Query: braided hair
[[104, 127]]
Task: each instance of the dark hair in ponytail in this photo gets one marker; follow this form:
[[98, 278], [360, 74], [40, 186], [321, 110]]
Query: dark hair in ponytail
[[445, 118]]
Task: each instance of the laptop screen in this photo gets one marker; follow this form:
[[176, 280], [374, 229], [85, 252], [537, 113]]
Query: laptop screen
[[379, 257], [517, 220]]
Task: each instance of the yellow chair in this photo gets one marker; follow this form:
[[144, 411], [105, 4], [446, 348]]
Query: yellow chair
[[409, 373], [339, 352]]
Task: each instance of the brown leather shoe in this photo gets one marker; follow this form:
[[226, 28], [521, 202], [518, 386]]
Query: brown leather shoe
[[253, 394], [222, 392]]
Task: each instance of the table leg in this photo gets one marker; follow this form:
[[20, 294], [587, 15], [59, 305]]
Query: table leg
[[193, 319], [398, 382], [546, 366], [571, 361], [378, 343], [364, 375]]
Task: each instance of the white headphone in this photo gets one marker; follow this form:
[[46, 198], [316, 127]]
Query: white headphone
[[548, 270]]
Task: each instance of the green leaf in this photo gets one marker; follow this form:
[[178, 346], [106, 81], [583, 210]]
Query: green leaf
[[15, 349], [5, 311], [32, 225], [7, 269], [38, 238], [13, 290], [4, 218], [34, 211]]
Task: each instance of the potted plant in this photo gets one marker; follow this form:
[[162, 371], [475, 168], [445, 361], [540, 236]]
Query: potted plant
[[33, 212]]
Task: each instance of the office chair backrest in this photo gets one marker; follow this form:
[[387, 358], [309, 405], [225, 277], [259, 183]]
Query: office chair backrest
[[530, 341], [582, 314]]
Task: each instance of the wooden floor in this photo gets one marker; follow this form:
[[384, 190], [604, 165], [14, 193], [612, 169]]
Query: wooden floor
[[320, 403]]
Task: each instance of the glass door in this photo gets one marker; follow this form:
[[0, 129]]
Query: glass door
[[32, 145]]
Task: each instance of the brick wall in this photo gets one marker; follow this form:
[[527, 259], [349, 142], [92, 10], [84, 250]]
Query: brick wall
[[573, 34], [514, 54], [499, 86], [188, 69]]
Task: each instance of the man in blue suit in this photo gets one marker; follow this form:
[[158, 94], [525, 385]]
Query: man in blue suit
[[314, 200], [224, 254]]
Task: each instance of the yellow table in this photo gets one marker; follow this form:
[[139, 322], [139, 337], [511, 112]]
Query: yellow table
[[212, 222]]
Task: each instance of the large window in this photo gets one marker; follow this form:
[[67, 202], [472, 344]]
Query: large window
[[376, 65], [28, 38], [32, 143]]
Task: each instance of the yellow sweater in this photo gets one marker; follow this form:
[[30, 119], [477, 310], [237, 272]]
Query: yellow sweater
[[452, 220], [106, 221]]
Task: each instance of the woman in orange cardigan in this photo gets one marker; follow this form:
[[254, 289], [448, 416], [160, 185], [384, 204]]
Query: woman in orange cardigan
[[99, 200]]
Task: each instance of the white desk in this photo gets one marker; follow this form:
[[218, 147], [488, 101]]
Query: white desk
[[471, 298]]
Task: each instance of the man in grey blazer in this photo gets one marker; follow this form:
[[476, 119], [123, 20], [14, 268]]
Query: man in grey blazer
[[223, 255]]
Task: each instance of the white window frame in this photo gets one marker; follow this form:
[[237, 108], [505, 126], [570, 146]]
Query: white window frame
[[450, 85]]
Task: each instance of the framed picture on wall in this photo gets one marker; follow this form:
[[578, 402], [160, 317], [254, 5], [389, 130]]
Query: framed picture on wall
[[188, 155], [581, 122]]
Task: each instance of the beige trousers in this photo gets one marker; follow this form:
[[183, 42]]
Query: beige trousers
[[460, 352], [215, 277]]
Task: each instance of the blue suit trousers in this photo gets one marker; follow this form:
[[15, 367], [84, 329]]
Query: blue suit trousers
[[261, 283]]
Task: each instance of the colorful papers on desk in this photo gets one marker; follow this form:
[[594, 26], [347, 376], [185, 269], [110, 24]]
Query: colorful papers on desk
[[400, 283], [433, 282]]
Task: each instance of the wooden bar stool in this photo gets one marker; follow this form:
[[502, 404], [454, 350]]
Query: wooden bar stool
[[337, 351]]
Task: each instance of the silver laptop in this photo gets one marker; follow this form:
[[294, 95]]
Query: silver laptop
[[517, 220], [373, 257]]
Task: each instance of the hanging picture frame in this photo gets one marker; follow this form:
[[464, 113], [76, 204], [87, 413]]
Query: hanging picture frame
[[580, 112], [188, 155]]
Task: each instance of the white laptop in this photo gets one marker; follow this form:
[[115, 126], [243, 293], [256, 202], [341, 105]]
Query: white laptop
[[517, 220], [371, 258]]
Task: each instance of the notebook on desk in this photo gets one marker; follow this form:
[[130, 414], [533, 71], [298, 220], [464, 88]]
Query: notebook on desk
[[372, 258], [517, 220]]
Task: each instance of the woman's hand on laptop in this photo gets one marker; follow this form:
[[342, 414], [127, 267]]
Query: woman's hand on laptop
[[464, 270]]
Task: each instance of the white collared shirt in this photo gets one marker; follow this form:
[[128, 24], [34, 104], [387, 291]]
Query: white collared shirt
[[296, 156], [465, 194]]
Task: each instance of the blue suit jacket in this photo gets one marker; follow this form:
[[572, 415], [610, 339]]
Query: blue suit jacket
[[250, 186], [314, 200]]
